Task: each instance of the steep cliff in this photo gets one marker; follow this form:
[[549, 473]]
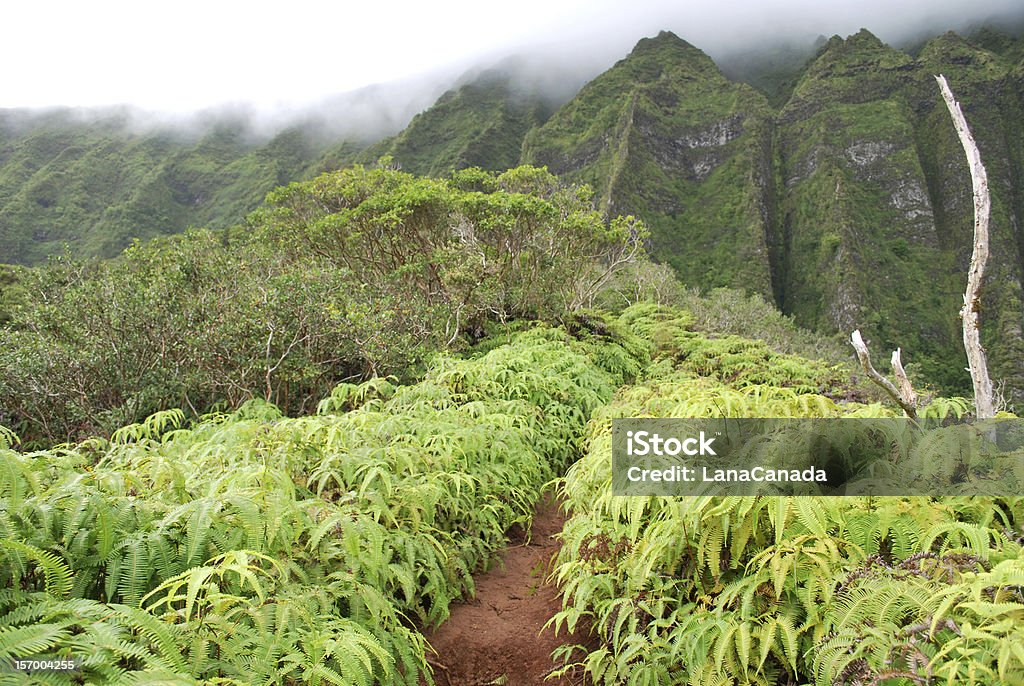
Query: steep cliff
[[665, 136], [850, 205], [861, 246]]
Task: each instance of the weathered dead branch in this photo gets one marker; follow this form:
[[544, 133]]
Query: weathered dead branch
[[904, 395]]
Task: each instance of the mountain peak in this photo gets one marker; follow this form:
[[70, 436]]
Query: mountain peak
[[667, 51], [865, 39], [664, 42], [856, 46], [853, 58], [664, 38], [951, 52]]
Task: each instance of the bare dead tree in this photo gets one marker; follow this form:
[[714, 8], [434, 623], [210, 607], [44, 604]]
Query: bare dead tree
[[904, 395], [984, 403]]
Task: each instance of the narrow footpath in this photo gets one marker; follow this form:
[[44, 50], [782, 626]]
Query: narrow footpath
[[496, 639]]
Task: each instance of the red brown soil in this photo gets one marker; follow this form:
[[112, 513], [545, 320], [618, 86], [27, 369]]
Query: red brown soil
[[499, 636]]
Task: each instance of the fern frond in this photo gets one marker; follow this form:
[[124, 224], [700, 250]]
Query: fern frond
[[56, 572]]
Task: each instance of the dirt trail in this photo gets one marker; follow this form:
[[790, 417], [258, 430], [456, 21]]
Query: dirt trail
[[497, 637]]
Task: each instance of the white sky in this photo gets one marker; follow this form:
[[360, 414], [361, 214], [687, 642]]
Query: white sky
[[186, 54]]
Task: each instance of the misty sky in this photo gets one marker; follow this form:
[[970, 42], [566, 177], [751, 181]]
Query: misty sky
[[187, 54]]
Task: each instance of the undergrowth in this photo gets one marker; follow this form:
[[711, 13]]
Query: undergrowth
[[778, 590], [253, 548]]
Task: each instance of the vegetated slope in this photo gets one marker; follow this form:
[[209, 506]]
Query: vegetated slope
[[96, 185], [772, 590], [850, 206], [252, 548], [877, 213], [1010, 48], [861, 243], [481, 123], [92, 181]]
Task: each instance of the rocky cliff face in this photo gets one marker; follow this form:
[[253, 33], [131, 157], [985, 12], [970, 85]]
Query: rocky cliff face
[[861, 248]]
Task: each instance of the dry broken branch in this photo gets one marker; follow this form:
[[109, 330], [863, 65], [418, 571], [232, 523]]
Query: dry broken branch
[[904, 395], [906, 389], [983, 396]]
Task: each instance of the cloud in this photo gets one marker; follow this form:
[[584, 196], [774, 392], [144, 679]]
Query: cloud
[[276, 60]]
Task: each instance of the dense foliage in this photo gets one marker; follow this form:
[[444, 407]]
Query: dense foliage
[[253, 548], [515, 245], [746, 590], [359, 273], [250, 548]]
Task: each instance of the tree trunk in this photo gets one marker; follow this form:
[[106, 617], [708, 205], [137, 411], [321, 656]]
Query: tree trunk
[[983, 397]]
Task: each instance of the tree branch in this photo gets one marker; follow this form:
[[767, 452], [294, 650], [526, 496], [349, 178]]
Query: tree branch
[[906, 389], [905, 396]]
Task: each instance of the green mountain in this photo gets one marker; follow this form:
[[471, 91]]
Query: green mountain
[[665, 136], [96, 182], [96, 185], [876, 202], [850, 205], [861, 247], [480, 123]]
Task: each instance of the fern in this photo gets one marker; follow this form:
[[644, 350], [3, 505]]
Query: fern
[[57, 575], [26, 641], [771, 589]]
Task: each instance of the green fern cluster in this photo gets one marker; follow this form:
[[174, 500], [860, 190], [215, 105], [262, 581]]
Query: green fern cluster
[[770, 590], [252, 548]]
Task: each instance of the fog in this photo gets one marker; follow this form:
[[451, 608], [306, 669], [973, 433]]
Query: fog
[[363, 72]]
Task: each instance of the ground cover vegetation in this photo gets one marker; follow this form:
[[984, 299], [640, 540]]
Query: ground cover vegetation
[[249, 547], [358, 273], [770, 590], [252, 548]]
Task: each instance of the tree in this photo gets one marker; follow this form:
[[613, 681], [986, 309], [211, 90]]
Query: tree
[[983, 396], [476, 247], [984, 402]]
